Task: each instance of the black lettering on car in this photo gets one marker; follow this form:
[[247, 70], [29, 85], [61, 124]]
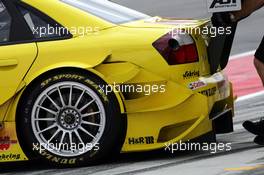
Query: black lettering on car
[[141, 140], [209, 92], [191, 74]]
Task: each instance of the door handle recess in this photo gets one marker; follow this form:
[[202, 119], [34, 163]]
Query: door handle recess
[[8, 62]]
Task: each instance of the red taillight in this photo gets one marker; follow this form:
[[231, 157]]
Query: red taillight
[[177, 48]]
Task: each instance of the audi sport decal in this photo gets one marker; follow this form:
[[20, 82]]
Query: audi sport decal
[[223, 5]]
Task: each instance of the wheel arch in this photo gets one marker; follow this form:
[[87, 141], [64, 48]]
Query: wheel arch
[[30, 80]]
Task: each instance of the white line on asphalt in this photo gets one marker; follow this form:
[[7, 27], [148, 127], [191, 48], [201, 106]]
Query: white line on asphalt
[[242, 55], [237, 127], [246, 97]]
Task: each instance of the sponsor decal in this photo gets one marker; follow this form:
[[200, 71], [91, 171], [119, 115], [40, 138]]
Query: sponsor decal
[[10, 156], [141, 140], [61, 76], [60, 160], [6, 142], [191, 74], [223, 5], [76, 77], [197, 85], [209, 92], [53, 158]]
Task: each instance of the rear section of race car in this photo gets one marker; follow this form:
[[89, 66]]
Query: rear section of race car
[[146, 85], [187, 100]]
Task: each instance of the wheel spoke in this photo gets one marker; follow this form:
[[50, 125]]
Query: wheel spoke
[[85, 106], [79, 99], [62, 137], [50, 127], [79, 137], [90, 114], [45, 119], [61, 98], [90, 123], [88, 133], [70, 137], [59, 117], [52, 137], [70, 97], [53, 102], [48, 110]]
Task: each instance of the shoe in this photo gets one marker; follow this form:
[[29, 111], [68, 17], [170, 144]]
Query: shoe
[[259, 140], [256, 128]]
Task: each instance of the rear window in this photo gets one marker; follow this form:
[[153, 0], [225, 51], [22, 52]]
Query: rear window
[[5, 24], [107, 10]]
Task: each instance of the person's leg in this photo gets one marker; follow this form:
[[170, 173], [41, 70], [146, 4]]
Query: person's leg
[[259, 140], [259, 61], [257, 128], [259, 65]]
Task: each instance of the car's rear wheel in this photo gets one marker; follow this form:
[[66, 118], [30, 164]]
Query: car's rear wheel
[[67, 119]]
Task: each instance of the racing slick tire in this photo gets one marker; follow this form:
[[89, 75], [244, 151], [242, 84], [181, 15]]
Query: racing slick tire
[[66, 119]]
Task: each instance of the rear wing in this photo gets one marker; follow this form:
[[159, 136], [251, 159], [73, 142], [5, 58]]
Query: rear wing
[[220, 47]]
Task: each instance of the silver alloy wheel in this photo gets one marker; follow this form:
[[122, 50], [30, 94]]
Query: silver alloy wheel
[[68, 119]]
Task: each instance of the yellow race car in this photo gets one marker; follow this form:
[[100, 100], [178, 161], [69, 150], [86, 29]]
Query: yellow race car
[[82, 80]]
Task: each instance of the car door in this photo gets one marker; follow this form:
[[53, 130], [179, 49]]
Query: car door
[[17, 53]]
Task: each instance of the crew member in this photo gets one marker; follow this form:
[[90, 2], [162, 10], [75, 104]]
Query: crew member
[[248, 7]]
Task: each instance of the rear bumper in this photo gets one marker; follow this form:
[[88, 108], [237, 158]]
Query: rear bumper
[[223, 122], [222, 115], [219, 93]]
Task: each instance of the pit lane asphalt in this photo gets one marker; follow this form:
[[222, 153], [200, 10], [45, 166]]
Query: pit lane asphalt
[[244, 154]]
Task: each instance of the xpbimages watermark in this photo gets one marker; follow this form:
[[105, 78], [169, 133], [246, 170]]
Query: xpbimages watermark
[[205, 30], [62, 31], [72, 147], [147, 89], [213, 148]]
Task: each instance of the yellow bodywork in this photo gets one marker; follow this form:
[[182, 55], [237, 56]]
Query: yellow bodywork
[[121, 54]]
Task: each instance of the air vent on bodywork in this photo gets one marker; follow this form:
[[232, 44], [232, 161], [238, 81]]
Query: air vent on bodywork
[[170, 132]]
